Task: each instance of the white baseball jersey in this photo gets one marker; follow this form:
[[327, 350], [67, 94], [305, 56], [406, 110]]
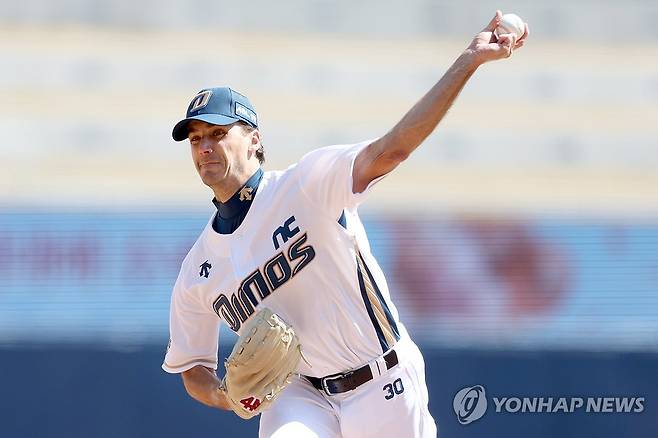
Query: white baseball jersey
[[302, 251]]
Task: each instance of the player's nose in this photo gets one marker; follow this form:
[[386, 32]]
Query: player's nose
[[205, 146]]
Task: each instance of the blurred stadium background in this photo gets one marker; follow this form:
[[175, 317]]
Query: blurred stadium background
[[520, 242]]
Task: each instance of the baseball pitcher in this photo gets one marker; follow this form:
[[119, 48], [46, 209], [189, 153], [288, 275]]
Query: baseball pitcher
[[285, 263]]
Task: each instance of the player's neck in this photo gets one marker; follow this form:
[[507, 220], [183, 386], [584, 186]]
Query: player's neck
[[224, 192]]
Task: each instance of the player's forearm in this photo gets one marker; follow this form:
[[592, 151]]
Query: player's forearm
[[385, 154], [427, 113], [203, 385], [419, 122]]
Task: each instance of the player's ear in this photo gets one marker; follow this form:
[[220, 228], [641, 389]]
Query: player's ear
[[255, 141]]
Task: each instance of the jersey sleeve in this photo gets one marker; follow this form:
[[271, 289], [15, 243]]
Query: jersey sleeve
[[325, 177], [193, 333]]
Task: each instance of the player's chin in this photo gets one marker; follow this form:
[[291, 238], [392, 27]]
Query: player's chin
[[211, 177]]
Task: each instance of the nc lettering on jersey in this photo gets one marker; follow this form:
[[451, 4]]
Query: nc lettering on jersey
[[236, 308], [284, 232]]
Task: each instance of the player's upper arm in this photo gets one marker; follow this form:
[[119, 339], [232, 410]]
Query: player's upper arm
[[193, 331], [375, 160]]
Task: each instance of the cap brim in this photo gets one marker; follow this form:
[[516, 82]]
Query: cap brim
[[180, 130]]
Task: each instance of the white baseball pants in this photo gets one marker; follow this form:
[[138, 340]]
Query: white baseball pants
[[392, 405]]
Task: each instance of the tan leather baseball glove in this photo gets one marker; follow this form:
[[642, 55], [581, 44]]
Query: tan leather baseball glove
[[261, 363]]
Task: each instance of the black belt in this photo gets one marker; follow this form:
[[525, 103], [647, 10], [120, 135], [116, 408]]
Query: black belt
[[343, 382]]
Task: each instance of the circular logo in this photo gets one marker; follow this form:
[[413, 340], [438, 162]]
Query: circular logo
[[470, 404]]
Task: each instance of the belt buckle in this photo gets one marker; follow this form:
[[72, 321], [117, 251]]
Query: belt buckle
[[324, 381]]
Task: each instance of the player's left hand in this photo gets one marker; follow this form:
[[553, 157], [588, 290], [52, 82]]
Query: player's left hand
[[261, 364], [487, 47]]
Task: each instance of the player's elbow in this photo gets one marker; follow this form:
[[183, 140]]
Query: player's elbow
[[389, 160], [188, 383], [197, 394], [192, 384], [394, 149], [395, 156]]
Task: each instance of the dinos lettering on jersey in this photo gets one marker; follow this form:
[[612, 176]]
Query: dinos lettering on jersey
[[236, 308]]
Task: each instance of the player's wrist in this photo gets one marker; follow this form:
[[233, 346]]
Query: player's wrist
[[470, 59], [221, 399]]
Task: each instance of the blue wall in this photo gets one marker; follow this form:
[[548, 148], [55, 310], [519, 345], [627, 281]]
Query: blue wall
[[66, 391], [544, 283], [519, 300]]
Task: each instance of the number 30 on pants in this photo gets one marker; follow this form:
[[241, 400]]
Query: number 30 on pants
[[393, 389]]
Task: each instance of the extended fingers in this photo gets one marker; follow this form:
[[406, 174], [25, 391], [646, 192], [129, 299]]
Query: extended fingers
[[493, 24]]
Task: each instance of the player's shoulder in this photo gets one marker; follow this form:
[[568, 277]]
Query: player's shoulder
[[314, 158], [273, 176], [325, 159], [324, 154], [274, 180], [325, 151]]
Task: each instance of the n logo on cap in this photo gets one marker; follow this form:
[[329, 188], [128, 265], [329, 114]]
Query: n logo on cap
[[200, 100]]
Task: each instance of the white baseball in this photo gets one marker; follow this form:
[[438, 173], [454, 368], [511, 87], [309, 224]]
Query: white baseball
[[511, 23]]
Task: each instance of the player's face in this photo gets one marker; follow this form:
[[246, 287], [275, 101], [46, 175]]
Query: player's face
[[222, 155]]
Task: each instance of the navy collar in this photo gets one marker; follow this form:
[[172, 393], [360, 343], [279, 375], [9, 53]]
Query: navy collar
[[241, 200]]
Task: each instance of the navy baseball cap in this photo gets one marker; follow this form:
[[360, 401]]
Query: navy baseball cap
[[218, 106]]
